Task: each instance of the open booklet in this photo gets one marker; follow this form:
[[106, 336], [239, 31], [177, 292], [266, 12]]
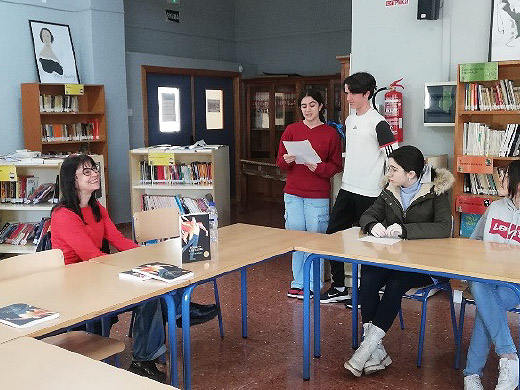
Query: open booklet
[[22, 315], [166, 272]]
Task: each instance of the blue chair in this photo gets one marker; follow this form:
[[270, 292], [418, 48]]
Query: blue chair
[[422, 295], [467, 298]]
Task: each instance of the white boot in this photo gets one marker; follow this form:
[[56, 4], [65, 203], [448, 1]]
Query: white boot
[[356, 363], [378, 361], [507, 374], [472, 382]]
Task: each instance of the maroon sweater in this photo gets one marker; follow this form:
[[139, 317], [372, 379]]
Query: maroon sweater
[[82, 241], [300, 180]]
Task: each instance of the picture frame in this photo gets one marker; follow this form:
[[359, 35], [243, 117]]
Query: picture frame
[[504, 37], [54, 53]]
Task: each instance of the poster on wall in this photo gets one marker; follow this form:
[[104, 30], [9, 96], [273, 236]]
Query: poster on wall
[[504, 42], [54, 52], [214, 109]]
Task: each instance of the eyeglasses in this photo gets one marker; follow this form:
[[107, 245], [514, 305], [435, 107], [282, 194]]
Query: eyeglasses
[[391, 169], [90, 171]]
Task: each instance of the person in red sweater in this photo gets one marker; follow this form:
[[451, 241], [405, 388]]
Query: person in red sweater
[[307, 189], [79, 224]]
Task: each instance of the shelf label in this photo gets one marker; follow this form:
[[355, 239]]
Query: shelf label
[[482, 71], [74, 89], [472, 204], [161, 158], [474, 164], [8, 173]]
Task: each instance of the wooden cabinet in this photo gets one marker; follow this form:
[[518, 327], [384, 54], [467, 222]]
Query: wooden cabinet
[[219, 188], [271, 105], [466, 160], [55, 122]]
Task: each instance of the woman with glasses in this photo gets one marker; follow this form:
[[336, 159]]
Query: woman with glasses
[[79, 224], [414, 204], [500, 223]]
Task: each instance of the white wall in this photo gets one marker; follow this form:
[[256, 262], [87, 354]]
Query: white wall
[[391, 43]]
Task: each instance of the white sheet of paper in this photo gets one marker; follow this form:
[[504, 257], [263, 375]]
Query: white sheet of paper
[[303, 152], [380, 240]]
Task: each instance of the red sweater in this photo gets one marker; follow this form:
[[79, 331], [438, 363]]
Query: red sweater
[[300, 180], [82, 241]]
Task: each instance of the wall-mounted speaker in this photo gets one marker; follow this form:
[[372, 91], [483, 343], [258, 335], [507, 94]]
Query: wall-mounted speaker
[[428, 9]]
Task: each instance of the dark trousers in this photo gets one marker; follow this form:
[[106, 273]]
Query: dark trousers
[[382, 312], [345, 214]]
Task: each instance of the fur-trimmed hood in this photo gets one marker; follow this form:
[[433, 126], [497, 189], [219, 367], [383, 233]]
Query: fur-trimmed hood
[[442, 181]]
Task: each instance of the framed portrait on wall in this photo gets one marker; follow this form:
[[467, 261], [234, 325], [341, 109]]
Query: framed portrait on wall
[[504, 40], [54, 52]]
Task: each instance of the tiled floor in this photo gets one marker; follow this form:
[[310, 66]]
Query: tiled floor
[[270, 358]]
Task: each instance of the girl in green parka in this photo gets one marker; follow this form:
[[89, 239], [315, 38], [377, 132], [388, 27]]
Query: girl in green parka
[[414, 204]]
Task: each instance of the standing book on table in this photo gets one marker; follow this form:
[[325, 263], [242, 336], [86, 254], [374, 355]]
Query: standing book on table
[[195, 237], [22, 315], [166, 272]]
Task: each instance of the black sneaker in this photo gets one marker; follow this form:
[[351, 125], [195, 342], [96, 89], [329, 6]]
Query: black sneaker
[[348, 303], [334, 295]]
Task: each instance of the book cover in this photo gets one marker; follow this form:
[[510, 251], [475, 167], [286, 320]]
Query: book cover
[[195, 237], [132, 275], [468, 222], [22, 315], [165, 272]]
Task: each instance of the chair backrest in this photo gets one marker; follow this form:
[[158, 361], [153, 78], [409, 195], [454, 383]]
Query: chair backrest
[[16, 266], [156, 224]]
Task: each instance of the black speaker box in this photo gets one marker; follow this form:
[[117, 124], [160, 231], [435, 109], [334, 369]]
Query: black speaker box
[[428, 9]]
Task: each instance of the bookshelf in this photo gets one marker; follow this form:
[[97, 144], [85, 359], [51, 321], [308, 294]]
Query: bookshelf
[[477, 162], [18, 211], [71, 123], [219, 187]]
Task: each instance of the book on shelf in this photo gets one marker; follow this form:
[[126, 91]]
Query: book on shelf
[[166, 272], [468, 222], [59, 132], [184, 204], [22, 315], [59, 103], [196, 244], [503, 95], [132, 275], [21, 233], [18, 191], [484, 183], [195, 173]]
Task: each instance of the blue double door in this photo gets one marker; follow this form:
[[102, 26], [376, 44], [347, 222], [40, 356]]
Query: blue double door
[[191, 113]]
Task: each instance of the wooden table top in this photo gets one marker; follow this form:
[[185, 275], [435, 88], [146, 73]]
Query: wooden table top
[[77, 291], [27, 363], [458, 256]]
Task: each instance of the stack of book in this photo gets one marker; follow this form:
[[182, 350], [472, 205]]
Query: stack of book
[[59, 103], [71, 132], [504, 95], [199, 173], [479, 140], [18, 191], [22, 233], [184, 204]]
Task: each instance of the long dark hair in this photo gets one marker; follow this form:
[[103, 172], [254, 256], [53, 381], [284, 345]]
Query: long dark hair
[[409, 158], [316, 96], [513, 175], [68, 190]]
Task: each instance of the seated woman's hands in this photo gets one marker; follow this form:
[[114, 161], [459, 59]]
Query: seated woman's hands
[[379, 230]]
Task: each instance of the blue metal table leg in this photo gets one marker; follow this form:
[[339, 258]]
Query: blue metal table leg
[[186, 347], [355, 305], [316, 277], [516, 288], [172, 338], [306, 318], [243, 293]]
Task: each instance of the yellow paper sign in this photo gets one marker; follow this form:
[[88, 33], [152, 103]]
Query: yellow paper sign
[[161, 158], [8, 173], [74, 89]]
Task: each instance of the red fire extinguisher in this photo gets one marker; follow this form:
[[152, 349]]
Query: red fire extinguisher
[[393, 108]]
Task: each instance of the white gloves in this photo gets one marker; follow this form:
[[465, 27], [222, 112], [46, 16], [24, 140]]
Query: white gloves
[[394, 230]]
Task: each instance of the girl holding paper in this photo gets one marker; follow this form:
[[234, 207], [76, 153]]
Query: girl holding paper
[[307, 189], [413, 205]]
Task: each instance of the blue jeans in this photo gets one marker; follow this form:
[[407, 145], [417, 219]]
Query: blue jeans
[[148, 329], [490, 327], [307, 214]]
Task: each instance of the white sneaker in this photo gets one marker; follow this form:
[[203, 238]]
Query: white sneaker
[[507, 374], [378, 361], [472, 382]]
